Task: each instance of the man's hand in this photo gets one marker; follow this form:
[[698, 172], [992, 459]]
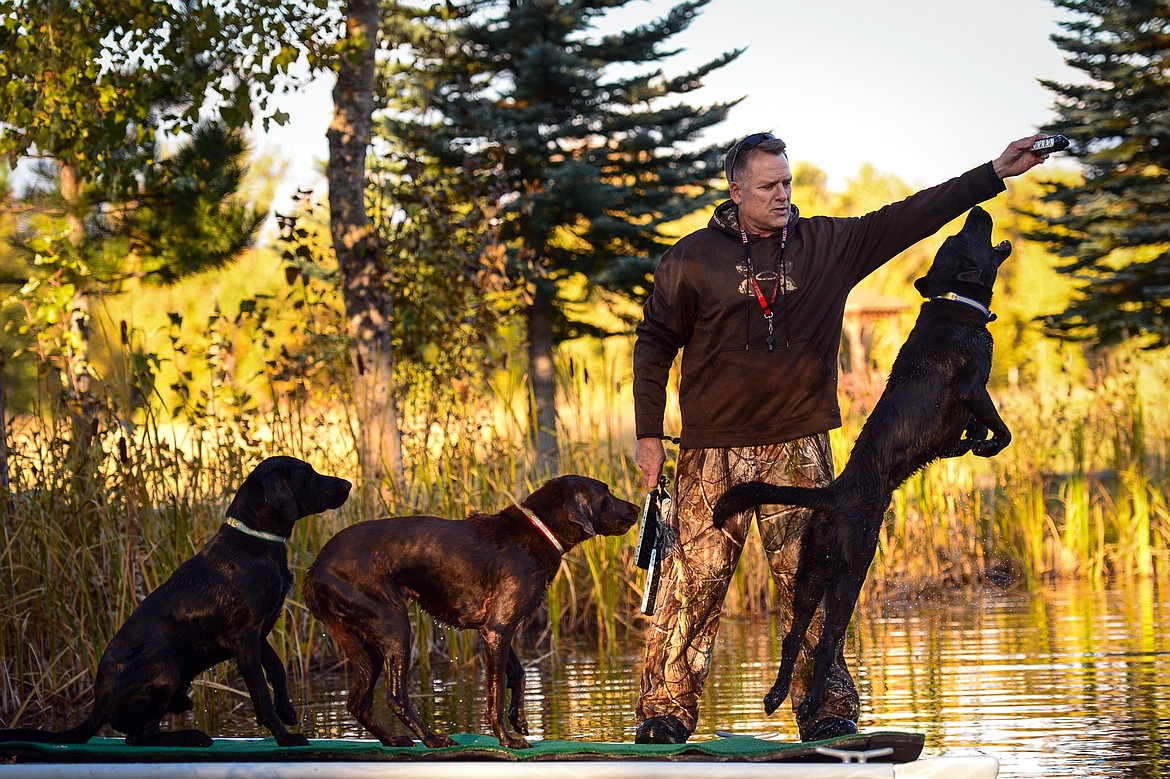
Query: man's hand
[[1018, 157], [650, 457]]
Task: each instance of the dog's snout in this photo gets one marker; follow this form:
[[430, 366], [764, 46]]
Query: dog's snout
[[619, 516], [338, 491]]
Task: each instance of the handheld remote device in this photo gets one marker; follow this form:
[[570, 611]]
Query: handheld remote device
[[1052, 143]]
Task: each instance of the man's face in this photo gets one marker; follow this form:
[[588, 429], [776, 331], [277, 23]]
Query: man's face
[[763, 193]]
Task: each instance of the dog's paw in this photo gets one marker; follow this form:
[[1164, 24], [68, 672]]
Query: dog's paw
[[404, 741], [291, 739], [514, 742], [773, 700], [176, 738], [518, 719], [988, 447], [519, 722], [438, 740]]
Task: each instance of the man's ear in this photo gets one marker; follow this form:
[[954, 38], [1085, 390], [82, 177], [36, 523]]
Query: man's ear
[[736, 192]]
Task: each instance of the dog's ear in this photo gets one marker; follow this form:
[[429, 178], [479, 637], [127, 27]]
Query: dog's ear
[[248, 500], [280, 497], [267, 494], [585, 511], [576, 501]]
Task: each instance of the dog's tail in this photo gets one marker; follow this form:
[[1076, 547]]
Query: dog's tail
[[750, 494], [76, 735]]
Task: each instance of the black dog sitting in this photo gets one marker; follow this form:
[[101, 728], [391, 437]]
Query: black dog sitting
[[220, 604], [935, 405]]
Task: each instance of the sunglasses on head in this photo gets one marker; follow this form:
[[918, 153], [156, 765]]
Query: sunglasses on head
[[746, 145]]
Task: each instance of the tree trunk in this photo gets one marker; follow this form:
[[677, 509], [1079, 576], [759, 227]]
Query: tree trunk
[[76, 373], [359, 251], [542, 417], [5, 483]]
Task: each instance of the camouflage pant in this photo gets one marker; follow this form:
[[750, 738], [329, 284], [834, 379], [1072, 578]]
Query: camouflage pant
[[698, 569]]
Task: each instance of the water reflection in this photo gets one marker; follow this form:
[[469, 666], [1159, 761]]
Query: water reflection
[[1069, 682]]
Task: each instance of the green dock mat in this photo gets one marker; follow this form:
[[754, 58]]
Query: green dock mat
[[907, 747]]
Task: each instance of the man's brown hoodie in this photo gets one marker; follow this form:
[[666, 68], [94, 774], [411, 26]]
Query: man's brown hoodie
[[733, 391]]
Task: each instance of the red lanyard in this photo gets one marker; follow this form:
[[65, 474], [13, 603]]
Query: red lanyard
[[765, 303]]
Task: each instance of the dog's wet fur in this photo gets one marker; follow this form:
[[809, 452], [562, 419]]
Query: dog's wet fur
[[935, 405], [219, 605], [487, 573]]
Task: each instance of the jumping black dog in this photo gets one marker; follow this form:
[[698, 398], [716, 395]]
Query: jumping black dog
[[935, 405], [218, 605], [487, 572]]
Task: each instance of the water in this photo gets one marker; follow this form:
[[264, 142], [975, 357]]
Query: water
[[1068, 682]]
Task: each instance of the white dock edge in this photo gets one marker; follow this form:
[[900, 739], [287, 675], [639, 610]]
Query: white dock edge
[[947, 767], [950, 767]]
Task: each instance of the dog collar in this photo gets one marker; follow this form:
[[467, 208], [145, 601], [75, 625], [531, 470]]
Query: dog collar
[[240, 526], [543, 528], [975, 304]]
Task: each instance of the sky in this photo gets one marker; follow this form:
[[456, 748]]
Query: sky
[[923, 89]]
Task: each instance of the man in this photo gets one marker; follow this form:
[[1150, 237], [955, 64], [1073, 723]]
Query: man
[[755, 301]]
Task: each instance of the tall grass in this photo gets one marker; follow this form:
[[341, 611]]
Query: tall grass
[[1081, 492]]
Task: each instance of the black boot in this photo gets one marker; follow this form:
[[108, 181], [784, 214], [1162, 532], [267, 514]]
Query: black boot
[[667, 729]]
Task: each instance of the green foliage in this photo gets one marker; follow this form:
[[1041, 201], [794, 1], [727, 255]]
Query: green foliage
[[1113, 228], [188, 216], [86, 88], [90, 84], [443, 280], [14, 271], [447, 280]]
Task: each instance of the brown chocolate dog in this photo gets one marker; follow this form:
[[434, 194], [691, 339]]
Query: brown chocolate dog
[[487, 572], [220, 604], [935, 405]]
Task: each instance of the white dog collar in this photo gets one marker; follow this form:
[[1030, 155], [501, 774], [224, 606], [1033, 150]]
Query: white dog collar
[[975, 304], [543, 528], [240, 526]]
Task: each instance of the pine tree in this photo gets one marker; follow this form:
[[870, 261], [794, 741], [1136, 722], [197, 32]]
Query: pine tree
[[594, 146], [1114, 227]]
